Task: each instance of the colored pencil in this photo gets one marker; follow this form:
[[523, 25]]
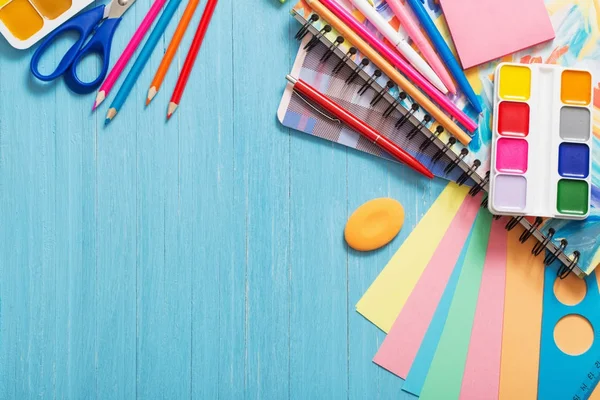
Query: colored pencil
[[191, 57], [358, 125], [414, 32], [133, 44], [190, 9], [442, 47], [387, 68], [399, 63], [142, 59]]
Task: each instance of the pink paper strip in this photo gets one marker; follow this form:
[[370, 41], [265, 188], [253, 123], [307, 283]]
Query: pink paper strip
[[481, 379], [400, 347]]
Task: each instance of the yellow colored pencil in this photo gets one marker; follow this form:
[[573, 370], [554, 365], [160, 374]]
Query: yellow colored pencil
[[172, 49]]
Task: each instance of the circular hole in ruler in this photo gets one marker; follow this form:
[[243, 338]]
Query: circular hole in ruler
[[573, 334], [570, 291]]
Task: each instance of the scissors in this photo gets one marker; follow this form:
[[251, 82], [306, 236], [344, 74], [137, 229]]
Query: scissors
[[96, 28]]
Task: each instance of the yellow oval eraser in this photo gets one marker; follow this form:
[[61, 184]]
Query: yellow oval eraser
[[374, 224]]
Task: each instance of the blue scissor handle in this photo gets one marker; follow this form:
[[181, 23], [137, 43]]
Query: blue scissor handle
[[100, 44], [83, 24]]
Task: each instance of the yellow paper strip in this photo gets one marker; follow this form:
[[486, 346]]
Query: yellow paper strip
[[522, 320], [387, 295]]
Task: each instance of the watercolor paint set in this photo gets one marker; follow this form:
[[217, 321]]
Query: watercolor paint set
[[542, 141], [25, 22]]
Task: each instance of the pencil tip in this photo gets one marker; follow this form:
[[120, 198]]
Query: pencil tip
[[99, 99], [109, 116], [171, 110], [151, 93]]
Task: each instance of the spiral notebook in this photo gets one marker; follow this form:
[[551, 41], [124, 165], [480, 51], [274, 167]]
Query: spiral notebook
[[330, 63]]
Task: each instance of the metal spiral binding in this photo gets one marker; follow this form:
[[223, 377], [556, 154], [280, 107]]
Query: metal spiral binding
[[367, 84], [315, 39], [388, 86], [467, 174], [338, 41], [413, 132], [564, 270], [551, 257], [338, 67], [479, 186], [403, 119], [388, 111], [304, 30], [541, 246], [438, 131], [456, 160], [450, 167], [514, 221], [440, 153], [527, 234], [363, 63]]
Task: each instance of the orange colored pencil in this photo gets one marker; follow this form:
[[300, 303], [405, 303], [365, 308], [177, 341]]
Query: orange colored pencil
[[191, 57], [190, 9]]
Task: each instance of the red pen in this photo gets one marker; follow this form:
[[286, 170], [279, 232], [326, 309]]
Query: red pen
[[358, 125]]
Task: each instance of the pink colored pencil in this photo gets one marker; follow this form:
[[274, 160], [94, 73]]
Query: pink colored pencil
[[401, 65], [128, 52]]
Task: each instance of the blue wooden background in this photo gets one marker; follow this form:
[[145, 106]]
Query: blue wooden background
[[203, 258]]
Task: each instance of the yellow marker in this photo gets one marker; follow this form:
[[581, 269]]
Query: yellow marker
[[21, 19], [576, 87], [4, 2], [515, 82]]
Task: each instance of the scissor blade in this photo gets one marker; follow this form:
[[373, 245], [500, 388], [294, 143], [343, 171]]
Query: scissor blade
[[116, 8]]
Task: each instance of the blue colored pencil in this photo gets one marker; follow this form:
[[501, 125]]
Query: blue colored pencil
[[440, 44], [142, 59]]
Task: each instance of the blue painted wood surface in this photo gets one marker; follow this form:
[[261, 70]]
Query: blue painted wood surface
[[203, 258]]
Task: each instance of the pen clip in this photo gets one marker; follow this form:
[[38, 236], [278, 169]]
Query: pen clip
[[308, 103]]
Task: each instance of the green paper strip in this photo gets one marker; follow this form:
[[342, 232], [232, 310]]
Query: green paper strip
[[447, 368]]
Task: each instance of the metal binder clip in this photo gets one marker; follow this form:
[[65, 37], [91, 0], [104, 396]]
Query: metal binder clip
[[304, 29], [431, 139], [367, 84], [413, 132], [442, 152], [450, 167], [339, 40], [388, 111], [406, 117], [363, 63], [351, 51], [315, 39], [388, 86]]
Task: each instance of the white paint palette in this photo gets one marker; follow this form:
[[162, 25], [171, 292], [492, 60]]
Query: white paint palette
[[541, 162], [24, 22]]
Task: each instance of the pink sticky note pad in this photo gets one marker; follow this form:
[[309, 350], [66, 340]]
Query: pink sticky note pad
[[483, 30]]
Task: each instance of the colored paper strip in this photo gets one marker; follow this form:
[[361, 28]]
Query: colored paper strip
[[522, 320], [445, 375], [401, 345], [420, 367], [387, 295], [482, 369]]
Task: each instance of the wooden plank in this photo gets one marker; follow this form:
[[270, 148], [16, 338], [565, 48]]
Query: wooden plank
[[164, 265]]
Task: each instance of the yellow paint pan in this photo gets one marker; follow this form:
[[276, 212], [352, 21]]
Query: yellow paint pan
[[24, 22]]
